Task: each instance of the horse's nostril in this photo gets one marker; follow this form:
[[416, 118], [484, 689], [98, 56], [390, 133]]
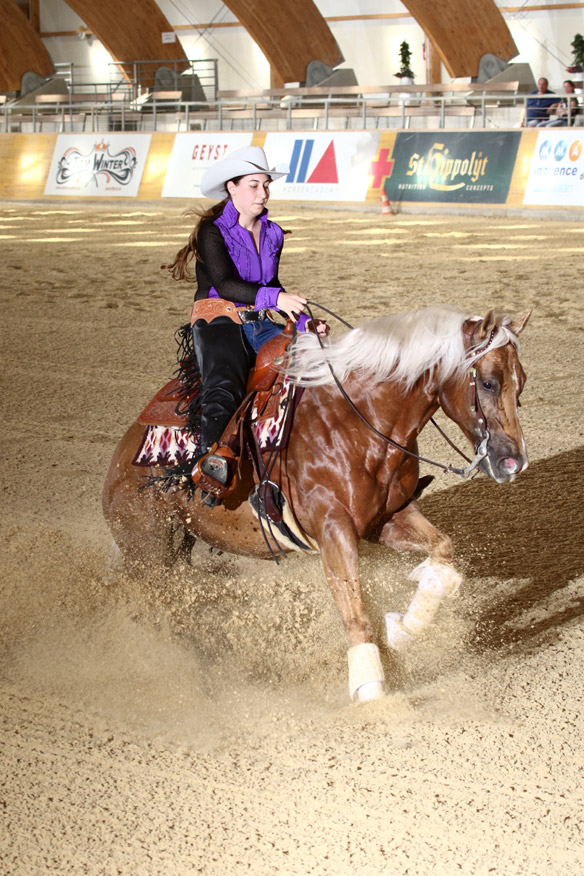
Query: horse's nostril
[[510, 465]]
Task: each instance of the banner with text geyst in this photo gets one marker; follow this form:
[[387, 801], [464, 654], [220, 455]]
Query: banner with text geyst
[[468, 168], [192, 154], [556, 170], [324, 166], [110, 165]]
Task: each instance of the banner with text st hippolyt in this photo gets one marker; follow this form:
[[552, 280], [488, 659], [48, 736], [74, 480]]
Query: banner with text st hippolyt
[[449, 167]]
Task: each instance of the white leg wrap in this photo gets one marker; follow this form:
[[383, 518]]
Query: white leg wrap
[[436, 580], [365, 672]]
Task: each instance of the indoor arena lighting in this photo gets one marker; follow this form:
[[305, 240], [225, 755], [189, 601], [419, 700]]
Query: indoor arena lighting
[[32, 169], [150, 243], [393, 230], [49, 240], [376, 242], [489, 246], [108, 222], [155, 166], [52, 213], [500, 258]]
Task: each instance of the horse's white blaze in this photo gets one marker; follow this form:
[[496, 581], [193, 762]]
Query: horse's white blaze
[[436, 580]]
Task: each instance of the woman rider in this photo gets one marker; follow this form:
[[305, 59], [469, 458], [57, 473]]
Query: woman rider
[[237, 251]]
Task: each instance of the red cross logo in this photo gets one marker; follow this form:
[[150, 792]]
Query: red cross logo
[[380, 168]]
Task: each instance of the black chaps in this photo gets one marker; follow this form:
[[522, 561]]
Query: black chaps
[[225, 359]]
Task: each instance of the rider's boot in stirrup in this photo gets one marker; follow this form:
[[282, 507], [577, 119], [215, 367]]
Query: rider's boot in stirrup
[[214, 474]]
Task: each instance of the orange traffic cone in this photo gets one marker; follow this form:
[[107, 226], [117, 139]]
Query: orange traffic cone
[[385, 205]]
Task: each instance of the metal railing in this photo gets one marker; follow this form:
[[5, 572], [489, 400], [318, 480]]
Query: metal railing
[[113, 110], [146, 76]]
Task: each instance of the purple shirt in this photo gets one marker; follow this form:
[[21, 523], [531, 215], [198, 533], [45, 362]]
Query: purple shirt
[[252, 265]]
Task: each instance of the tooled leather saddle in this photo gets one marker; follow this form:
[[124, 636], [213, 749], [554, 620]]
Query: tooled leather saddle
[[169, 405]]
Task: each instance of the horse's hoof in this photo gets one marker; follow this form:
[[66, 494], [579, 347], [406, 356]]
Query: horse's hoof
[[371, 690], [398, 637]]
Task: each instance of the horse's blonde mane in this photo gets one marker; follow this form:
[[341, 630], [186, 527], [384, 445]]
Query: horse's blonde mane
[[402, 346]]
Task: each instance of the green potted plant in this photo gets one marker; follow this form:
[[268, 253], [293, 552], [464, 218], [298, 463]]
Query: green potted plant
[[405, 71], [577, 65]]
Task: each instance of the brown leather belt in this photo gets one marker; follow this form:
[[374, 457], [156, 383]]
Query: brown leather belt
[[210, 308]]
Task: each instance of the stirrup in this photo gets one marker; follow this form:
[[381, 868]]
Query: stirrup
[[212, 474], [216, 467]]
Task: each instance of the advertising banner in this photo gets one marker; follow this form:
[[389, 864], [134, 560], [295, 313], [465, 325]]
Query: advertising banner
[[453, 167], [324, 166], [192, 154], [110, 165], [556, 171]]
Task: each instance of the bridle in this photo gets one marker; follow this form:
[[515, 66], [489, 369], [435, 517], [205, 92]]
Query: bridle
[[481, 447]]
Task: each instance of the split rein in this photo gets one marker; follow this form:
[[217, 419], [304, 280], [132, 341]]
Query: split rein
[[480, 450]]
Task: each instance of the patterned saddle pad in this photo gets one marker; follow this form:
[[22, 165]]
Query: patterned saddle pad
[[167, 444]]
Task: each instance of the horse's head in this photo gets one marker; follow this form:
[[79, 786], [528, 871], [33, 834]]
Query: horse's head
[[485, 402]]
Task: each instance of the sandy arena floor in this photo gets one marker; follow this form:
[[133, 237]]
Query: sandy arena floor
[[202, 724]]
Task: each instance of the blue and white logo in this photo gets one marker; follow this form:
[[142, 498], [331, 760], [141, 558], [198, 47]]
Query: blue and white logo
[[544, 150], [560, 150]]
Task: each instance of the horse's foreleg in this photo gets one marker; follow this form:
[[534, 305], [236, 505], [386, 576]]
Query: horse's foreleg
[[340, 560], [408, 530]]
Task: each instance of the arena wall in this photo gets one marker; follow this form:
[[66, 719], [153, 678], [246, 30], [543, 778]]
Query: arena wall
[[450, 171]]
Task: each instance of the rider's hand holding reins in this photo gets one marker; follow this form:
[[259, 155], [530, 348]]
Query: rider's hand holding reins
[[292, 305]]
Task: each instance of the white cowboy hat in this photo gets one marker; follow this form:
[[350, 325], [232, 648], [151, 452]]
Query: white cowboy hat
[[248, 159]]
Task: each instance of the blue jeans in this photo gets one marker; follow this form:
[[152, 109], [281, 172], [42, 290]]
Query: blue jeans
[[260, 331]]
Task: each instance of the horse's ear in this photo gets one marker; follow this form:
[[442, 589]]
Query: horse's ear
[[517, 325], [487, 325]]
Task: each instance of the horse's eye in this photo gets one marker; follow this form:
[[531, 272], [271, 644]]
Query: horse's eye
[[488, 385]]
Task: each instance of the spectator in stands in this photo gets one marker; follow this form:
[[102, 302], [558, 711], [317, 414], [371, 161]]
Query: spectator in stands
[[536, 108], [560, 109]]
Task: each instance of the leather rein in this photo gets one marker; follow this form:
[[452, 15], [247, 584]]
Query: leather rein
[[475, 407]]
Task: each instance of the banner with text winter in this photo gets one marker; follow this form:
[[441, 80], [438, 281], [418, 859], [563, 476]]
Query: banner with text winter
[[110, 165]]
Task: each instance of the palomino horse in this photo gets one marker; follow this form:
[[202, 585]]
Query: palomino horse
[[350, 471]]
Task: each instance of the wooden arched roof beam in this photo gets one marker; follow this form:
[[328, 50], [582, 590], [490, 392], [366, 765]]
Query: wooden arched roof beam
[[289, 34], [463, 31], [130, 31], [21, 48]]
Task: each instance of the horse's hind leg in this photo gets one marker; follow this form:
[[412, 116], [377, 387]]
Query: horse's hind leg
[[408, 530], [146, 531], [151, 543], [185, 547]]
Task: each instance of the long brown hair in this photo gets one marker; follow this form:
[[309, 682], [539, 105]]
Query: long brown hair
[[179, 269]]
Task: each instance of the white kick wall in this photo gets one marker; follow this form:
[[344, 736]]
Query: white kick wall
[[371, 47]]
